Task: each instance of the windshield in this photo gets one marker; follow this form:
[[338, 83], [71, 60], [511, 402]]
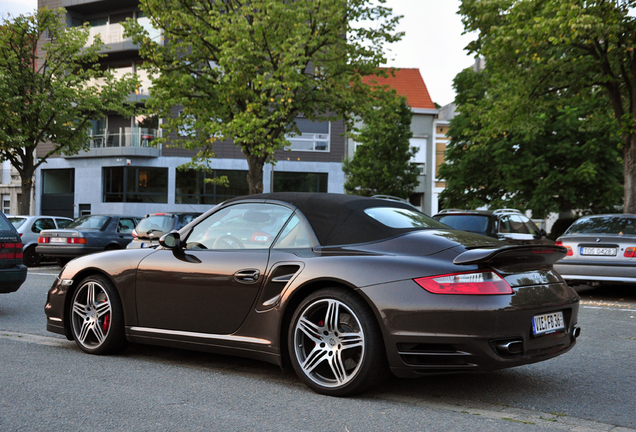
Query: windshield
[[17, 221], [162, 223], [89, 222], [402, 218], [472, 223], [619, 225]]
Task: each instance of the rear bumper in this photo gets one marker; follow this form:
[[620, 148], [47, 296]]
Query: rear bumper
[[12, 278], [447, 333], [66, 251], [596, 272]]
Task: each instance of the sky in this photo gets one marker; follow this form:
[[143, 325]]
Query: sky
[[433, 41]]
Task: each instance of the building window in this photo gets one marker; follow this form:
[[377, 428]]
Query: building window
[[192, 188], [299, 182], [135, 184], [314, 136], [58, 181]]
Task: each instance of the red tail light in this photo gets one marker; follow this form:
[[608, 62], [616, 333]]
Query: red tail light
[[76, 240], [475, 283], [630, 252], [44, 239], [11, 251], [134, 234], [560, 243]]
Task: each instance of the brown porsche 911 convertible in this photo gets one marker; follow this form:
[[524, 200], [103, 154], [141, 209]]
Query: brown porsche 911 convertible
[[342, 288]]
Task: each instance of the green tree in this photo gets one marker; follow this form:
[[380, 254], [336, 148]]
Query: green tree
[[559, 47], [382, 164], [50, 94], [570, 160], [244, 70]]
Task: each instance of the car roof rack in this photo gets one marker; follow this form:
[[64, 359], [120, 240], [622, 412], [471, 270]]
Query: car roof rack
[[506, 210], [452, 210]]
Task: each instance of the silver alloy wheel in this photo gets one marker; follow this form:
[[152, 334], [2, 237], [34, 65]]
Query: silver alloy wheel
[[91, 315], [329, 343]]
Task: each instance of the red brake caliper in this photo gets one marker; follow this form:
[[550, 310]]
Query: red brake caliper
[[320, 323], [106, 323]]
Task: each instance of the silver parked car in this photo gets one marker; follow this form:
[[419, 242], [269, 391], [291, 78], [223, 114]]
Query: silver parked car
[[600, 248], [88, 234], [29, 228]]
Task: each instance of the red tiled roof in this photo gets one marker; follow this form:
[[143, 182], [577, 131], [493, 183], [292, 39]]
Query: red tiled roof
[[409, 83]]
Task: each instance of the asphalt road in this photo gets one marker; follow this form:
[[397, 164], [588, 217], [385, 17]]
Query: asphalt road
[[46, 383]]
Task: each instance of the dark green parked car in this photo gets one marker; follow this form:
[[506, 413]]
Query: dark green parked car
[[12, 272]]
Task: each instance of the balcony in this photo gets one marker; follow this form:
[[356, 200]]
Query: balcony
[[113, 37], [124, 143], [97, 6]]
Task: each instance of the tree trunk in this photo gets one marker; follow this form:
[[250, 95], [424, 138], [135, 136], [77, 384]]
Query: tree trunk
[[255, 174], [629, 175], [27, 186], [26, 176]]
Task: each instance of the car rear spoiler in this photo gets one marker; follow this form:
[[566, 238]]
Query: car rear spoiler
[[514, 255]]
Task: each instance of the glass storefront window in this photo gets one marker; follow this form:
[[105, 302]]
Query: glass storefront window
[[192, 188], [299, 182], [135, 184]]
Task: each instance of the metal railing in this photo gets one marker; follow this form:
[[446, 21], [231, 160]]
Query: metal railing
[[125, 137]]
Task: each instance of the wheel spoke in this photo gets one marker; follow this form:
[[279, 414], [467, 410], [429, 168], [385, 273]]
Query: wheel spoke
[[79, 309], [337, 367], [315, 357], [311, 330], [102, 308], [86, 327], [351, 340], [90, 294], [99, 334], [331, 316]]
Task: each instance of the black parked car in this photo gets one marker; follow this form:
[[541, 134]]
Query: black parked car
[[150, 229], [85, 235], [508, 225], [12, 272], [342, 288]]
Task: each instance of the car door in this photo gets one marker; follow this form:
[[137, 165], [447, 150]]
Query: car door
[[211, 284], [125, 227]]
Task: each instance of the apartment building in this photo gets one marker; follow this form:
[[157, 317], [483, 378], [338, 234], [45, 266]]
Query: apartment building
[[408, 82], [123, 171]]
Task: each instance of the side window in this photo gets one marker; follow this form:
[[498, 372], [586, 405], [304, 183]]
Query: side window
[[125, 226], [42, 224], [294, 235], [504, 224], [518, 225], [62, 223], [532, 228], [241, 226]]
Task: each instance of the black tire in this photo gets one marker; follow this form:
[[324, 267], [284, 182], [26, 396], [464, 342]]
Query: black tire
[[30, 257], [335, 344], [97, 317]]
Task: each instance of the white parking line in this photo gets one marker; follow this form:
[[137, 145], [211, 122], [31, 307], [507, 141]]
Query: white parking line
[[35, 339]]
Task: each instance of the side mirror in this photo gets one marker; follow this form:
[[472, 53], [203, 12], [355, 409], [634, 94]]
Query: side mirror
[[171, 240]]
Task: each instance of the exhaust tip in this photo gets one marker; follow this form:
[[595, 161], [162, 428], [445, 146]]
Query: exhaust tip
[[508, 348], [576, 332]]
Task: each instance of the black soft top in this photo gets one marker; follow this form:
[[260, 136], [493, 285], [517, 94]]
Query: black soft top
[[339, 219]]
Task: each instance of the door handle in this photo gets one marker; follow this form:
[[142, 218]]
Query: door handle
[[247, 276]]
